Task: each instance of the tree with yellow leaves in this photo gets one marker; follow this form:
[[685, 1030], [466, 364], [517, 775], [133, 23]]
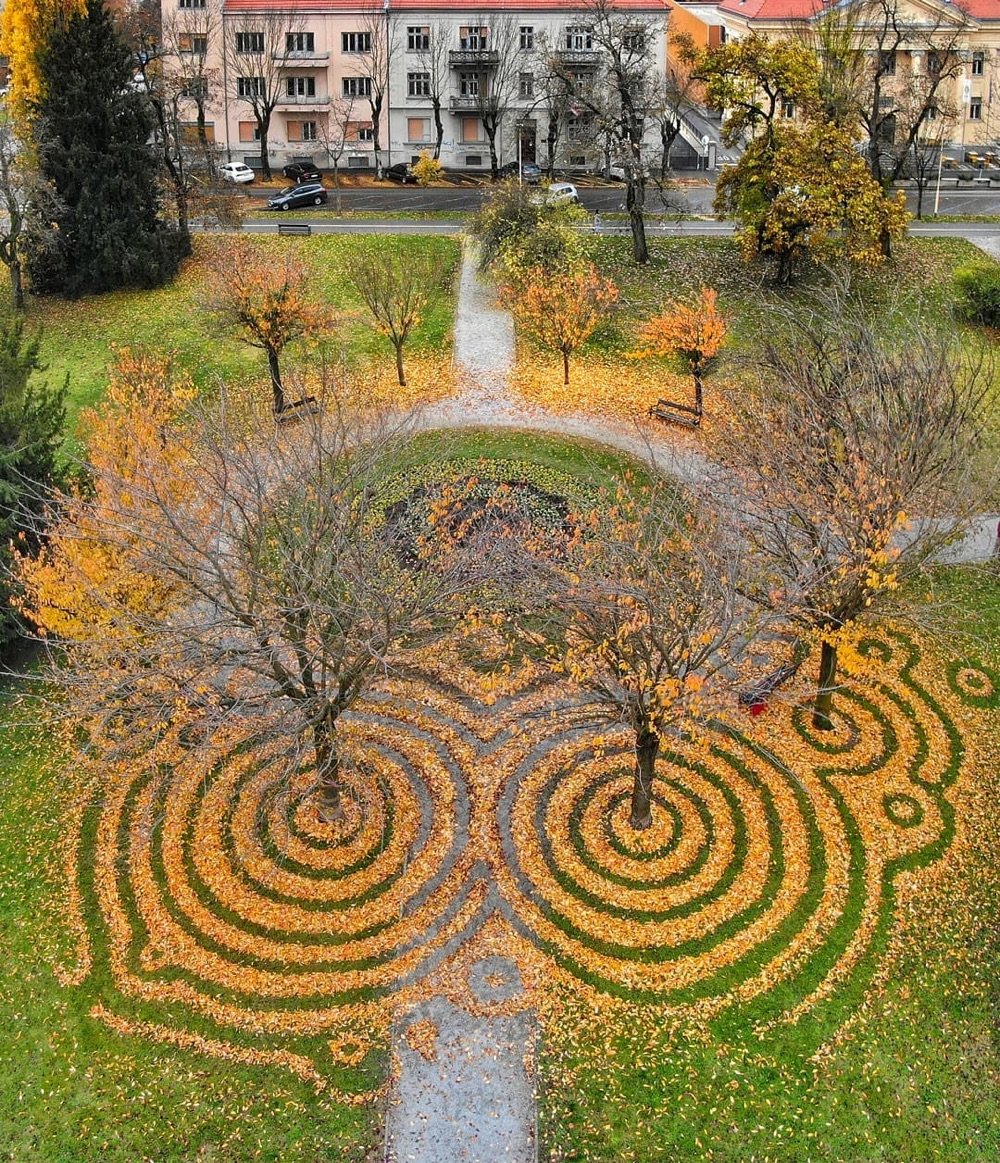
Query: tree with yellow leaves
[[646, 615], [695, 332], [25, 27], [858, 442], [560, 309], [267, 300]]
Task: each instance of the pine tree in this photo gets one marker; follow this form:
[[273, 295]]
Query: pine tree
[[100, 228], [31, 425]]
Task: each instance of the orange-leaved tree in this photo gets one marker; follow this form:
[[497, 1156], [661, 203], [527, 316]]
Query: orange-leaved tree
[[561, 309], [266, 298], [645, 612], [694, 332]]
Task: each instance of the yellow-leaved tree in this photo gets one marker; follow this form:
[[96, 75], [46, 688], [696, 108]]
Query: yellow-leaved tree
[[560, 309], [24, 30]]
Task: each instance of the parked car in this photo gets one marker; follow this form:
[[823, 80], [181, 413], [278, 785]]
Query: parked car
[[402, 172], [236, 172], [531, 174], [304, 194], [301, 169], [557, 194]]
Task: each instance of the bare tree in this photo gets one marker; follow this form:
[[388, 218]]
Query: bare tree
[[276, 594], [187, 36], [492, 47], [674, 95], [379, 26], [15, 191], [395, 288], [858, 444], [435, 63], [645, 614], [258, 49], [619, 97], [333, 131]]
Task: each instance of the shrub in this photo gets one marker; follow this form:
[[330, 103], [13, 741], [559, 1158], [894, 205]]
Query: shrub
[[977, 294], [518, 232], [427, 169]]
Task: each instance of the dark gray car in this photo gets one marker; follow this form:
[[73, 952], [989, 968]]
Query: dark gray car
[[292, 197]]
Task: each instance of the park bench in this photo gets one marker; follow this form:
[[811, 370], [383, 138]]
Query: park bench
[[754, 698], [675, 413], [294, 228], [307, 406]]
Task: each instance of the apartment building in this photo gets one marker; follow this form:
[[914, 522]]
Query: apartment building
[[378, 83], [930, 31]]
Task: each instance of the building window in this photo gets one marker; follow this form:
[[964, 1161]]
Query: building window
[[250, 86], [788, 109], [355, 42], [418, 129], [976, 109], [249, 131], [357, 86], [634, 40], [473, 159], [193, 42], [301, 130], [473, 39], [471, 129], [191, 3], [418, 85], [526, 85], [249, 42], [978, 61], [366, 133], [527, 37], [932, 113], [195, 87], [300, 42], [579, 38], [887, 63], [933, 63], [357, 162], [468, 85], [418, 38], [300, 86]]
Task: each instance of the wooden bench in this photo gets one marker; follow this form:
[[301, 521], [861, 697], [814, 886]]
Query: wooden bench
[[676, 413], [294, 228], [307, 406], [754, 699]]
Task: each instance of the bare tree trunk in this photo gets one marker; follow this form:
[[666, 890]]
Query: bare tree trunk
[[491, 137], [16, 284], [885, 243], [276, 388], [400, 373], [265, 161], [634, 201], [551, 138], [647, 744], [698, 393], [336, 186], [331, 807], [438, 128], [824, 694]]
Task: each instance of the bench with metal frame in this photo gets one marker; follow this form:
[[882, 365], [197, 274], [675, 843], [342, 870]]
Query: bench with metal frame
[[754, 698], [294, 228], [675, 413], [307, 406]]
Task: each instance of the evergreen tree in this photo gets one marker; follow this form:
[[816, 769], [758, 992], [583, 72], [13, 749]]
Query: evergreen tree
[[31, 425], [100, 228]]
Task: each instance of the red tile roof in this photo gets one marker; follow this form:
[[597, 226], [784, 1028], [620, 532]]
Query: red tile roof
[[803, 9], [486, 6]]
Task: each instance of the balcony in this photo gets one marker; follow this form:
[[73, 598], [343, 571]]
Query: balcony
[[461, 57], [295, 60], [580, 58], [300, 101], [464, 104]]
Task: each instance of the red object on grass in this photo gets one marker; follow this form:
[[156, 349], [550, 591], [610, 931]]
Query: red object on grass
[[758, 708]]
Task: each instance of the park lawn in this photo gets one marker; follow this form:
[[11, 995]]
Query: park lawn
[[78, 336], [911, 1070], [70, 1088]]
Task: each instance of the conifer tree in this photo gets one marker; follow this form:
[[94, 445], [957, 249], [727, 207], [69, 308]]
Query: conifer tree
[[31, 424], [100, 228]]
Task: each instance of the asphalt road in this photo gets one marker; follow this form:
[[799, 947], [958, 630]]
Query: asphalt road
[[688, 199]]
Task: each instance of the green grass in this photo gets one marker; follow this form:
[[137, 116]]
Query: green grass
[[78, 337], [914, 1076], [70, 1088]]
